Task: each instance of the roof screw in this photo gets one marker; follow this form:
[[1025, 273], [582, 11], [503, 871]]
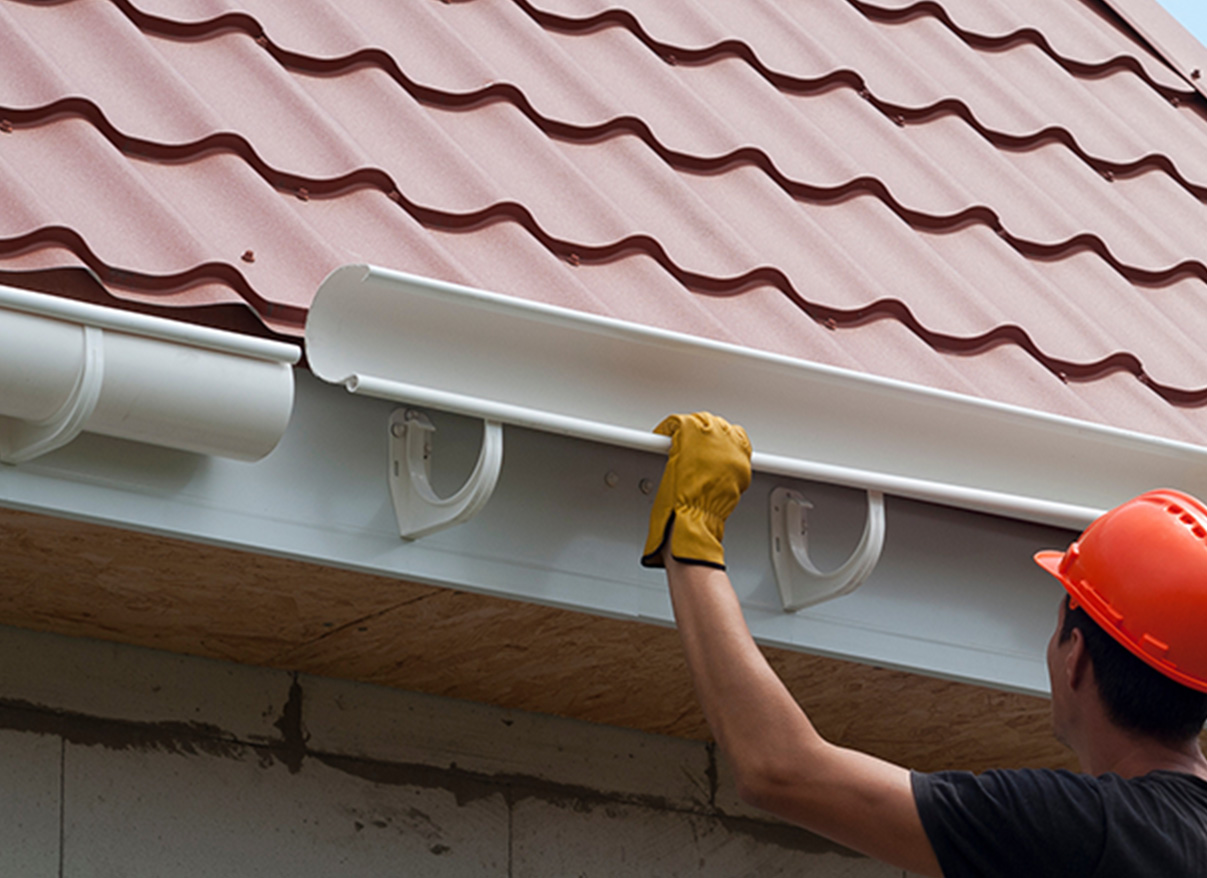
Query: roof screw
[[830, 323], [670, 59], [899, 121], [6, 126], [1063, 376], [1196, 73], [1174, 102], [612, 479], [262, 40], [395, 196], [865, 94], [303, 194], [573, 259], [1109, 175], [645, 486], [248, 256]]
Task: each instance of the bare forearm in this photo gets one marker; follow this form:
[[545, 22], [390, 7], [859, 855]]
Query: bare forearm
[[754, 718], [780, 761]]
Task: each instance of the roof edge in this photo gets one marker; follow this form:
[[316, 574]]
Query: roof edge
[[1166, 35]]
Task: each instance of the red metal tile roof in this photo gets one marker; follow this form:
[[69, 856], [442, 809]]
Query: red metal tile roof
[[1004, 199]]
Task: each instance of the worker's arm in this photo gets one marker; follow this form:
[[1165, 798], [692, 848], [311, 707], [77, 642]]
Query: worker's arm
[[781, 764]]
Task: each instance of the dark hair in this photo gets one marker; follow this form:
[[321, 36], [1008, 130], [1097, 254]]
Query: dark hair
[[1137, 696]]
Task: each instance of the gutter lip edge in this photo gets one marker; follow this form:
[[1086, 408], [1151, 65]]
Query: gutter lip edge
[[147, 326]]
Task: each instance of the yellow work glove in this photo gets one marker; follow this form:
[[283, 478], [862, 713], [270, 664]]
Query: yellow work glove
[[706, 473]]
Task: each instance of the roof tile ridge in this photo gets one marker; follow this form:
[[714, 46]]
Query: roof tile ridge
[[188, 30], [898, 113], [827, 315], [512, 94], [306, 187], [986, 42], [830, 316], [616, 17], [143, 282]]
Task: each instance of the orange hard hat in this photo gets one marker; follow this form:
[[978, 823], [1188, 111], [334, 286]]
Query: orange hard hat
[[1140, 571]]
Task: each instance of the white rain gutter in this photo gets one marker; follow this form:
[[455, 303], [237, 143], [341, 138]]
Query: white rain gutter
[[68, 367], [399, 337]]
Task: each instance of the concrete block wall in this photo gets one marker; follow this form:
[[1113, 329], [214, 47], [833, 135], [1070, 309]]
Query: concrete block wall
[[119, 761]]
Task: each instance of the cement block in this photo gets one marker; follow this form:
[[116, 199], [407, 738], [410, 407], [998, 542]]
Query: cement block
[[379, 723], [29, 804], [593, 841], [116, 681], [150, 812]]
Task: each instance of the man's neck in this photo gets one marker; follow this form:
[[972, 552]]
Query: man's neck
[[1131, 755]]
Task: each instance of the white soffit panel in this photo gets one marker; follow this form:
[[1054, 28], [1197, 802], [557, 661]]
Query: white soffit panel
[[396, 336], [68, 367]]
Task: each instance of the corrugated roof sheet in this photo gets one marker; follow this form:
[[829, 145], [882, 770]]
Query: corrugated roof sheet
[[1004, 199]]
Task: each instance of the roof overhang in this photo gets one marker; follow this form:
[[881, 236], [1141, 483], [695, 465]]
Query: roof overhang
[[954, 594]]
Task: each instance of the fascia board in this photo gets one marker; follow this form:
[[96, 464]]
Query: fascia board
[[473, 352], [1179, 48]]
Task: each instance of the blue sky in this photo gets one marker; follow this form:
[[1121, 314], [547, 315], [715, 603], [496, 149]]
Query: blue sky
[[1192, 14]]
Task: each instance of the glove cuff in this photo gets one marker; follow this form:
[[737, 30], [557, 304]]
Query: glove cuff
[[653, 553], [696, 539]]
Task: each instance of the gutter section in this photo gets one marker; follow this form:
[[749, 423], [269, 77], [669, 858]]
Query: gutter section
[[67, 367], [396, 336]]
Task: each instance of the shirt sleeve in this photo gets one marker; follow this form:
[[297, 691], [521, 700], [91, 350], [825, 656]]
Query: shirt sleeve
[[1009, 823]]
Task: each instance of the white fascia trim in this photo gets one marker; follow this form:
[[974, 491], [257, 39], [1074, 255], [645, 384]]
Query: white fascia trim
[[397, 336], [67, 367]]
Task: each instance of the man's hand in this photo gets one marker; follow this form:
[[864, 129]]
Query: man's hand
[[706, 472]]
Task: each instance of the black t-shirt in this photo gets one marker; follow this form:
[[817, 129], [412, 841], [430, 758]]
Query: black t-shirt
[[1037, 823]]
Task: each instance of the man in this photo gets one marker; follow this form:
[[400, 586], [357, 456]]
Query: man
[[1129, 698]]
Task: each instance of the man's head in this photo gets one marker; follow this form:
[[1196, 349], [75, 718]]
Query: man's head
[[1136, 696], [1135, 617]]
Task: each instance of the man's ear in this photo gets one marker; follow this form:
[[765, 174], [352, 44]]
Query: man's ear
[[1077, 666]]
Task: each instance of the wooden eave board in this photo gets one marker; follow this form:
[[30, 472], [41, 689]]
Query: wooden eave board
[[87, 580]]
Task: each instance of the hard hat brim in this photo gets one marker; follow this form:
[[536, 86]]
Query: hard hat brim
[[1050, 561]]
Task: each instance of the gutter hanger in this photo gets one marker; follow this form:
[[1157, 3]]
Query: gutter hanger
[[68, 367], [396, 336]]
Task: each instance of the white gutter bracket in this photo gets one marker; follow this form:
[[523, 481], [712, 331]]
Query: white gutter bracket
[[419, 510], [801, 583]]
